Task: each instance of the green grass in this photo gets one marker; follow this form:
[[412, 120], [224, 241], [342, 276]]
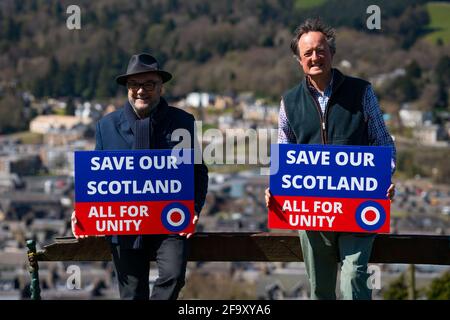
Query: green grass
[[440, 21], [306, 4], [207, 126]]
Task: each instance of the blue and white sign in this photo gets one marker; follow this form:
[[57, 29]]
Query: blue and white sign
[[330, 188], [134, 192]]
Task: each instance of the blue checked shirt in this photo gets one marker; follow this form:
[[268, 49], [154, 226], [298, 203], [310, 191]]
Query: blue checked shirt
[[376, 127]]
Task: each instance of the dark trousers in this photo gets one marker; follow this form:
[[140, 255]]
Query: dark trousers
[[133, 266]]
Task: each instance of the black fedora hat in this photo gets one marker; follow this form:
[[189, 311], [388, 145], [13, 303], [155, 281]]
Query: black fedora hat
[[142, 63]]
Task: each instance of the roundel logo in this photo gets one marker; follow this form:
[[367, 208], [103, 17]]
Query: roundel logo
[[175, 217], [370, 215]]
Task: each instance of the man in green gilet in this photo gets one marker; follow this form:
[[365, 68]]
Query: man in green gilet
[[328, 107]]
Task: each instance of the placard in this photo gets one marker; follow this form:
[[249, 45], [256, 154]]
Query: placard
[[134, 192], [330, 188]]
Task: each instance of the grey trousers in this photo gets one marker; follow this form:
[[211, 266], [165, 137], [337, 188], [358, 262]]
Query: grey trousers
[[132, 268], [324, 251]]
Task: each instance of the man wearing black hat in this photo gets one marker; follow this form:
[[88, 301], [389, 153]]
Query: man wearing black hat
[[146, 121]]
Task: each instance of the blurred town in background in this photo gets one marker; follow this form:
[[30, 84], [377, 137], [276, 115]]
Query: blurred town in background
[[231, 64]]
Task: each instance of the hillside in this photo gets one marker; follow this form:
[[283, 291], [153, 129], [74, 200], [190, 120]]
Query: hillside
[[226, 46], [439, 22]]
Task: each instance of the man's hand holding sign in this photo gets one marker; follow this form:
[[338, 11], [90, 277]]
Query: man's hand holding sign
[[330, 188], [143, 199], [133, 192]]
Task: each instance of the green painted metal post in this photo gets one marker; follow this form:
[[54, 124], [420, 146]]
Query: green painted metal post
[[34, 270], [412, 282]]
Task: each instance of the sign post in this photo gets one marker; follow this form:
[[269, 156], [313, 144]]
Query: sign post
[[330, 188]]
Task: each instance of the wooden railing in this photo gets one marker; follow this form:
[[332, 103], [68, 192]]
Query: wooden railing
[[246, 246]]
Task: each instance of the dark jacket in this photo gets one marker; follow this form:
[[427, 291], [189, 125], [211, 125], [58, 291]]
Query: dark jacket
[[343, 123], [113, 132]]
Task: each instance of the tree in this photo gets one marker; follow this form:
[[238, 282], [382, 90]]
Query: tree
[[70, 107], [11, 29], [38, 88], [413, 70], [52, 79], [402, 89], [81, 76], [12, 115], [397, 290], [57, 10], [440, 288], [442, 72], [442, 97], [409, 91], [103, 89], [67, 83], [409, 26]]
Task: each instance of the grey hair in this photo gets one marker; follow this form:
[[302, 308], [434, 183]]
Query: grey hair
[[313, 25]]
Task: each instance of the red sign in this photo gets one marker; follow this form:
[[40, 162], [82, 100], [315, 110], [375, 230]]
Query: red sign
[[158, 217], [331, 214]]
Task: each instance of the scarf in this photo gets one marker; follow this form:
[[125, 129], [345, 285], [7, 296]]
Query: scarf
[[144, 130]]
